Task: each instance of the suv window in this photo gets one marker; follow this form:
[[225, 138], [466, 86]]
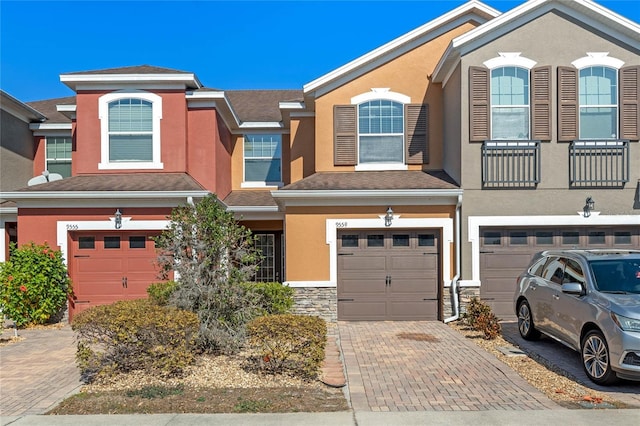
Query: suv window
[[573, 273], [617, 275], [554, 270]]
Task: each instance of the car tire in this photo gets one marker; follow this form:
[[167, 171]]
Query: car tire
[[595, 358], [526, 326]]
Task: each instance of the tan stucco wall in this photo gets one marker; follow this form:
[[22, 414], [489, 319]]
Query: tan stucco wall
[[302, 148], [409, 75], [307, 254]]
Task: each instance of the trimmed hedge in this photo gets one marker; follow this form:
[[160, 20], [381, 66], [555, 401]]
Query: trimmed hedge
[[292, 344], [134, 335], [272, 297]]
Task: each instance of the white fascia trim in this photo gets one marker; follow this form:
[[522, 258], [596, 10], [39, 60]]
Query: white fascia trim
[[8, 211], [257, 215], [262, 185], [310, 284], [292, 105], [66, 108], [19, 109], [49, 126], [128, 86], [368, 198], [63, 227], [477, 222], [77, 80], [210, 100], [261, 125], [597, 58], [447, 18], [444, 224]]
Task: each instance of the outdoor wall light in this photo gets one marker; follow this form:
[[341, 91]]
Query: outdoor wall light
[[118, 219], [388, 217], [589, 204]]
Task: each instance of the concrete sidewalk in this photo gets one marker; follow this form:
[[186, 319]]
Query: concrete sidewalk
[[436, 418]]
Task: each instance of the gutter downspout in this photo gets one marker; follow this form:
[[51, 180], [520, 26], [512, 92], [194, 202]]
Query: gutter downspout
[[455, 290]]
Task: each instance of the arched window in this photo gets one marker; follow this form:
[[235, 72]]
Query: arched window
[[510, 103], [130, 125], [598, 102]]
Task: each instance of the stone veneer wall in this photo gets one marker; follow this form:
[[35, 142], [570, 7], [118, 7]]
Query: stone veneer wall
[[465, 295], [318, 301]]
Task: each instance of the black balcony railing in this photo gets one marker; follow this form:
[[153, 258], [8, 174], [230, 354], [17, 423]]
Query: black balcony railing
[[603, 164], [510, 164]]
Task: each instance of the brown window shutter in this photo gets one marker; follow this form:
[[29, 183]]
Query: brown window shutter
[[541, 103], [479, 128], [344, 135], [567, 103], [416, 119], [630, 103]]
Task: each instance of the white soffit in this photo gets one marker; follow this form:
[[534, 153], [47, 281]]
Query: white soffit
[[471, 10], [586, 11], [88, 81]]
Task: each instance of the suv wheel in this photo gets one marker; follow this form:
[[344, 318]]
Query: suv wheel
[[595, 358], [525, 322]]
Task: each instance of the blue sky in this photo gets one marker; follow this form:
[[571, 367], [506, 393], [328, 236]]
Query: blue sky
[[228, 45]]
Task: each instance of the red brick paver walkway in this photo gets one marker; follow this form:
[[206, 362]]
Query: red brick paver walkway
[[418, 366], [38, 371]]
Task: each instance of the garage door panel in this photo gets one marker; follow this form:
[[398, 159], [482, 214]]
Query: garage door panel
[[358, 263], [508, 261], [94, 265], [363, 311], [413, 310], [365, 287]]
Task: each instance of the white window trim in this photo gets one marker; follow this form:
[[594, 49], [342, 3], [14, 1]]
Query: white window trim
[[103, 115], [506, 59], [376, 94], [597, 59], [260, 184]]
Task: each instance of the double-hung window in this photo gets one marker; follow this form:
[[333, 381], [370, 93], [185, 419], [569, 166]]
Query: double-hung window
[[58, 155], [510, 103], [598, 102], [263, 159], [130, 130], [381, 132]]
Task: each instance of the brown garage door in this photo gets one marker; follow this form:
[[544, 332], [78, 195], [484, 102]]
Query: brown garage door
[[106, 267], [388, 275], [506, 252]]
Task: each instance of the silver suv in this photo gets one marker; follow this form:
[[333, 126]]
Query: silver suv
[[588, 300]]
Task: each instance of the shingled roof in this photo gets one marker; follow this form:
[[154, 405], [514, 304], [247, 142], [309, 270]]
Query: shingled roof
[[48, 108], [378, 180], [247, 198], [260, 105], [142, 182]]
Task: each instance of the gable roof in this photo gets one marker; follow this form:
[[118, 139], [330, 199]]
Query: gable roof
[[24, 111], [587, 11], [471, 11], [260, 105]]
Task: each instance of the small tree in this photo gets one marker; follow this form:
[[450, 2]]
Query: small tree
[[212, 255], [35, 284]]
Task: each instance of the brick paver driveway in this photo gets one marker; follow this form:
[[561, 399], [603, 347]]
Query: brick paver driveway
[[426, 365]]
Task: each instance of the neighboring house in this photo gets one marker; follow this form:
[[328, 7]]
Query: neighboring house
[[16, 160], [434, 165]]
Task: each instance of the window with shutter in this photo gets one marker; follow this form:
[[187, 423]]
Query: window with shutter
[[417, 133], [510, 103], [541, 103], [567, 104], [598, 100], [630, 103], [478, 104], [344, 123]]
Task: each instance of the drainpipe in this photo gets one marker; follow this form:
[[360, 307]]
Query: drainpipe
[[455, 290]]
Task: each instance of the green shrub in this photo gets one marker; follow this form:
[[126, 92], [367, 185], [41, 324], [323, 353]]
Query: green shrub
[[272, 298], [292, 344], [35, 284], [479, 317], [134, 335], [159, 293]]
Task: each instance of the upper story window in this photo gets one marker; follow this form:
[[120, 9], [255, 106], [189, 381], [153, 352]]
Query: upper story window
[[380, 132], [598, 102], [510, 103], [58, 155], [130, 127], [263, 159]]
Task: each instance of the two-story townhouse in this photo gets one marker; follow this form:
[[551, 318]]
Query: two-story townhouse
[[16, 160], [132, 144], [541, 131]]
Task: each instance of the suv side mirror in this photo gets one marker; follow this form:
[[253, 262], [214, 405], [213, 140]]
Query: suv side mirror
[[572, 288]]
